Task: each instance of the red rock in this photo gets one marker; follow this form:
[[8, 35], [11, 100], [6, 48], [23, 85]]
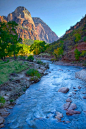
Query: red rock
[[68, 100], [84, 97], [63, 89], [72, 112], [66, 105], [67, 122], [72, 106], [79, 87], [58, 115]]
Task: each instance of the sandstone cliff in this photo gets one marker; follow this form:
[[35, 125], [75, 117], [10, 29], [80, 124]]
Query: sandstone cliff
[[27, 28], [44, 31]]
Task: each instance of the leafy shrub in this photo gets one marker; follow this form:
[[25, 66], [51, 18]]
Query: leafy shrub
[[39, 62], [11, 101], [30, 58], [84, 39], [77, 54], [6, 61], [34, 79], [33, 72], [77, 37], [2, 101], [53, 59], [22, 57], [83, 53]]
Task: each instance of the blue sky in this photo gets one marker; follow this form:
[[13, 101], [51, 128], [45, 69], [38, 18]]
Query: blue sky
[[59, 15]]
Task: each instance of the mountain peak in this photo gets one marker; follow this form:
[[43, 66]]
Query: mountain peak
[[21, 11]]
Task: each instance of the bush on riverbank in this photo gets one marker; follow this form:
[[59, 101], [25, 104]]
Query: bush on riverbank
[[34, 79], [33, 72], [2, 101], [30, 58]]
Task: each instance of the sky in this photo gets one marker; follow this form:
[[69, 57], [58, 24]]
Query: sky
[[59, 15]]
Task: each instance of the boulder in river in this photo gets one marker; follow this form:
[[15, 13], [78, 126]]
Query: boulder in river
[[72, 112], [84, 97], [66, 105], [58, 115], [81, 74], [68, 100], [63, 89], [72, 106]]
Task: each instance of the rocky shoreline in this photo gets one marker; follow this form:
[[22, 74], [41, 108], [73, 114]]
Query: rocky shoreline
[[16, 86]]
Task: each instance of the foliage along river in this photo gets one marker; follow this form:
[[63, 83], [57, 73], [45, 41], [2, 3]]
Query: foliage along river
[[37, 107]]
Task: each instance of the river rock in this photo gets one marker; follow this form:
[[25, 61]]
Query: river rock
[[4, 112], [84, 97], [2, 125], [40, 71], [79, 87], [1, 120], [14, 74], [72, 106], [81, 74], [47, 66], [63, 89], [66, 105], [68, 100], [72, 112], [58, 115]]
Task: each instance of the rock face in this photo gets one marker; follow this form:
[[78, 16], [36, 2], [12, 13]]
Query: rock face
[[44, 31], [27, 28], [81, 74], [63, 89]]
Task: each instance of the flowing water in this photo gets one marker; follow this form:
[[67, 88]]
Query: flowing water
[[36, 109]]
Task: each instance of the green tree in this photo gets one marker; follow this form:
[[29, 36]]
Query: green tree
[[4, 40], [58, 52], [38, 47], [77, 37], [8, 39], [83, 54], [14, 47], [84, 39], [77, 54]]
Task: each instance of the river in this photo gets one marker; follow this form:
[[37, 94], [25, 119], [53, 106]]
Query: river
[[36, 108]]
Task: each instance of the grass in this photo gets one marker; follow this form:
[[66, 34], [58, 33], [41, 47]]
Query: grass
[[2, 100], [12, 66], [33, 72]]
